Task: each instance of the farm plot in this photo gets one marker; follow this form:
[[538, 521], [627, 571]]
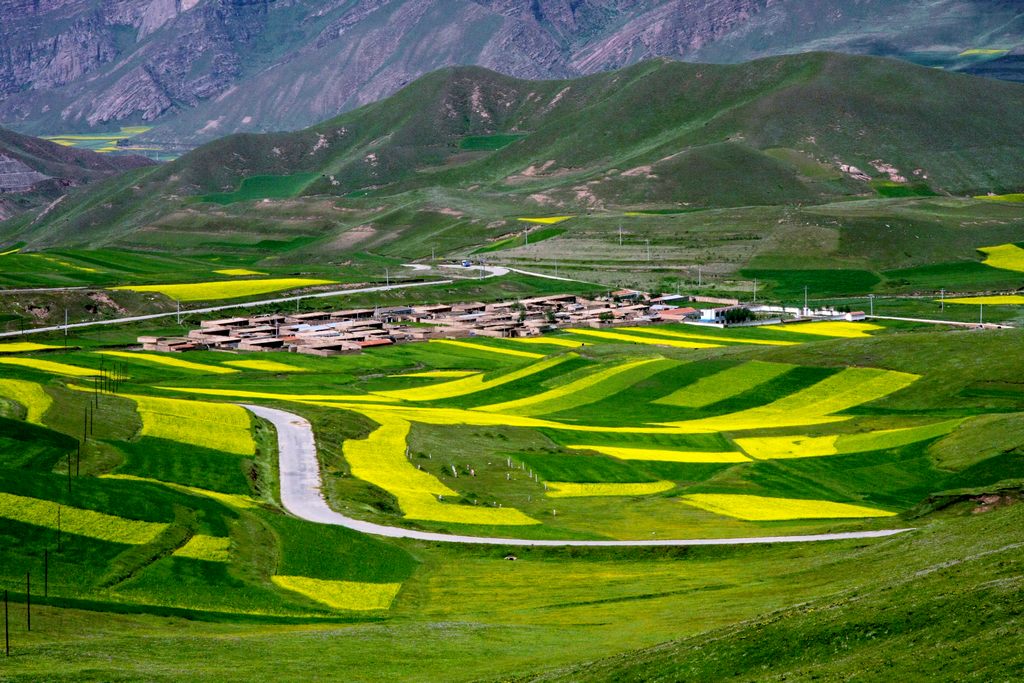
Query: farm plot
[[206, 548], [842, 330], [562, 489], [342, 595], [588, 389], [663, 455], [638, 339], [817, 404], [1004, 257], [263, 366], [217, 426], [73, 520], [24, 347], [51, 367], [726, 384], [28, 394], [1005, 300], [694, 336], [169, 361], [485, 347], [226, 289], [472, 384], [767, 509], [774, 447], [380, 459]]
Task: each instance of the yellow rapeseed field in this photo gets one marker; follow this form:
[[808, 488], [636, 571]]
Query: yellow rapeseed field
[[764, 509], [226, 289], [636, 339], [545, 220], [241, 393], [380, 460], [28, 394], [799, 446], [725, 384], [51, 367], [1014, 197], [472, 384], [816, 404], [676, 334], [169, 361], [209, 548], [238, 272], [983, 51], [577, 393], [1005, 257], [1007, 300], [219, 426], [24, 347], [263, 366], [458, 416], [484, 347], [451, 374], [78, 521], [662, 455], [828, 329], [234, 500], [67, 264], [562, 489], [342, 595], [548, 341]]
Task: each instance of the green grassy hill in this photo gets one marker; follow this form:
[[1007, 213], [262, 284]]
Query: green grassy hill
[[776, 131]]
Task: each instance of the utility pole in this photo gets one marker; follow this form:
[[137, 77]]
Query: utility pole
[[179, 311], [387, 277], [942, 299], [755, 290], [981, 314], [699, 281], [805, 300], [65, 330], [648, 249], [620, 233], [871, 302], [526, 236]]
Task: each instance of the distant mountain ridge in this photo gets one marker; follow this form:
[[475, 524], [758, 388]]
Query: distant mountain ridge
[[204, 68], [806, 128]]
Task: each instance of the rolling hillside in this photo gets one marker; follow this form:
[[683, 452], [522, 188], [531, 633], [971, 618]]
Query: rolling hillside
[[35, 172], [790, 130]]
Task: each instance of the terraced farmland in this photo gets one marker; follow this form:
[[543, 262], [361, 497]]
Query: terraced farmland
[[173, 507]]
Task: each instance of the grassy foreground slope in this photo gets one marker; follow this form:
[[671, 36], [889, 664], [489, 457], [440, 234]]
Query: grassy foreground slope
[[924, 612], [775, 131]]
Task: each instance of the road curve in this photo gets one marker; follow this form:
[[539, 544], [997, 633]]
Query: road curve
[[301, 496]]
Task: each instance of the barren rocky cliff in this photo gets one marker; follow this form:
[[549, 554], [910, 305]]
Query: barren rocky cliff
[[204, 68]]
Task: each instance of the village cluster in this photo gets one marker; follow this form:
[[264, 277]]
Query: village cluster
[[326, 333]]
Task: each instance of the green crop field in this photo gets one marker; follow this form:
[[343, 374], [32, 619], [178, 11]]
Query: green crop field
[[172, 524], [263, 187]]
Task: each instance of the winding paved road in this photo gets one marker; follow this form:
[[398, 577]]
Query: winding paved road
[[301, 496]]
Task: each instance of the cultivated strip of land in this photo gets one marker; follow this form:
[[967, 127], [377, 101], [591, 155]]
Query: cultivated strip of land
[[301, 496]]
